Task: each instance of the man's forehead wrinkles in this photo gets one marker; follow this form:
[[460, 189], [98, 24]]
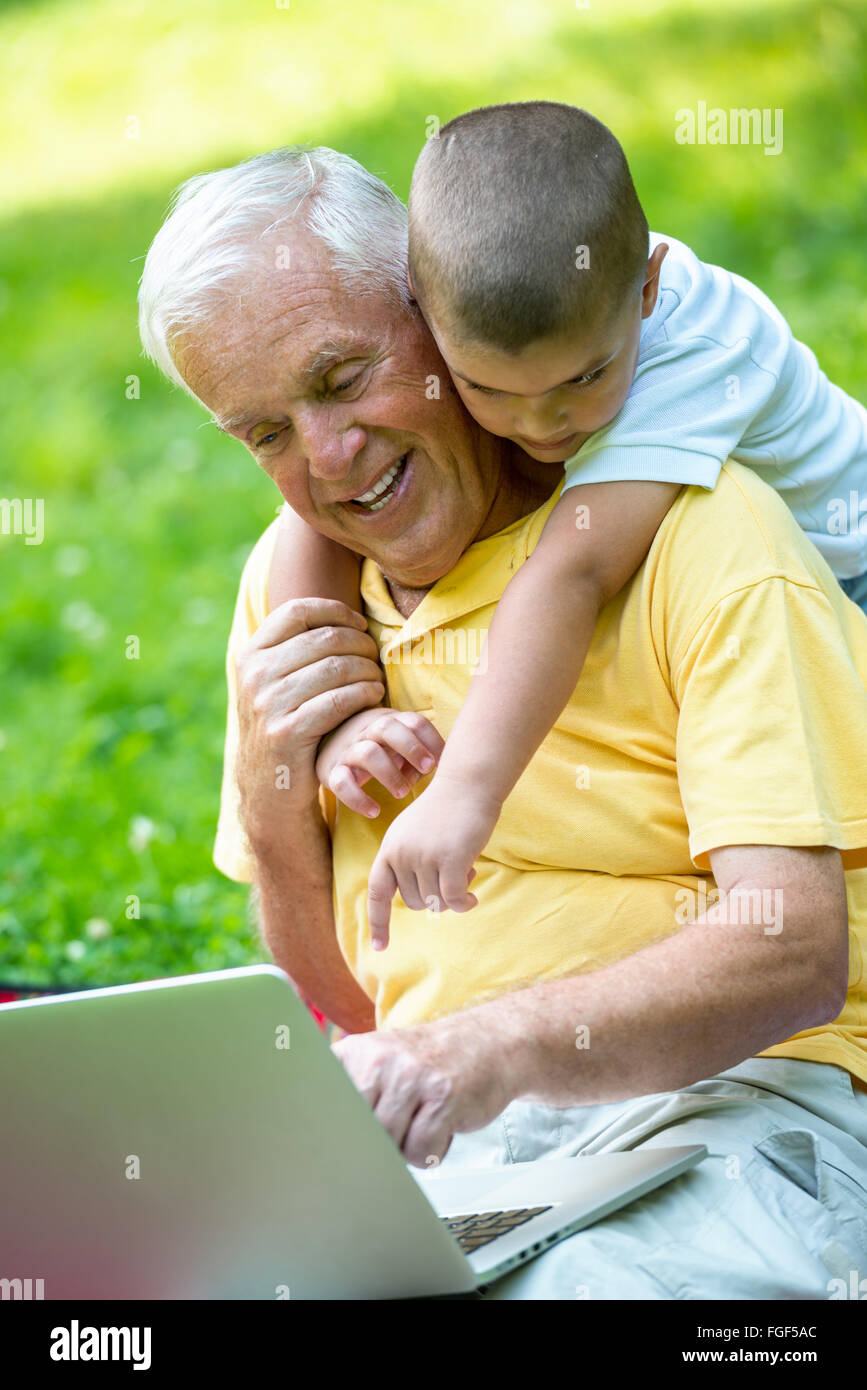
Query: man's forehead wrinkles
[[298, 317], [274, 305], [206, 384], [218, 378]]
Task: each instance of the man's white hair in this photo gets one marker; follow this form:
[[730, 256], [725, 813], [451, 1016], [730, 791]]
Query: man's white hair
[[213, 237]]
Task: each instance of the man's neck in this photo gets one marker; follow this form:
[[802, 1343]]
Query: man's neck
[[524, 485]]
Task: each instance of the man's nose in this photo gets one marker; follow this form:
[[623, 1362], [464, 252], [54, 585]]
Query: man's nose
[[330, 449]]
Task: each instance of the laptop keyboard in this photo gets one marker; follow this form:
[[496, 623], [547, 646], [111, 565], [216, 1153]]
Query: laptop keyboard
[[472, 1232]]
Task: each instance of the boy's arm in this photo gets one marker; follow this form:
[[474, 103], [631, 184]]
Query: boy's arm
[[594, 541], [533, 657], [306, 564]]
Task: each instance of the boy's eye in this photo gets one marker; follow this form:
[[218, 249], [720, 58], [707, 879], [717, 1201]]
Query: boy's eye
[[586, 380], [589, 378]]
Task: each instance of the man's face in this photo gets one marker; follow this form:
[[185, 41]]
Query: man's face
[[558, 391], [335, 395]]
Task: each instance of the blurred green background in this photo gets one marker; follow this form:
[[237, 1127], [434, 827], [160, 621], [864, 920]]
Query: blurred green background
[[109, 767]]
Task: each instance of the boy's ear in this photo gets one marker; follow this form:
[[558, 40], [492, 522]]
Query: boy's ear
[[650, 288]]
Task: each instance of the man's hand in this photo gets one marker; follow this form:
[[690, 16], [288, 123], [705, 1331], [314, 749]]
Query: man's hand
[[428, 854], [307, 668], [396, 747], [430, 1082]]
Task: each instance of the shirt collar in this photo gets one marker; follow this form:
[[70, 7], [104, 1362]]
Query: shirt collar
[[476, 581]]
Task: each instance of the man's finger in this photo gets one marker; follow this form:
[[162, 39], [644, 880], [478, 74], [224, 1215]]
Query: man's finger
[[324, 649], [295, 676], [428, 1134], [399, 1095], [318, 715], [304, 615], [367, 1082]]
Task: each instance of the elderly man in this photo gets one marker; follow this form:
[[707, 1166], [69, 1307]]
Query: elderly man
[[599, 997]]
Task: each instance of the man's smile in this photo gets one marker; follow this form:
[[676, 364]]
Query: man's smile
[[387, 487]]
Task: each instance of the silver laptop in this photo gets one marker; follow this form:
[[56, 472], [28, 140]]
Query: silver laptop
[[196, 1138]]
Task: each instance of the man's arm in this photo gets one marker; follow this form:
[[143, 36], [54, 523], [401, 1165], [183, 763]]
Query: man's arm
[[293, 898], [721, 990], [309, 666], [680, 1010]]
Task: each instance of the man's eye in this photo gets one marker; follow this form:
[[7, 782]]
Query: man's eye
[[483, 390], [268, 440], [345, 385]]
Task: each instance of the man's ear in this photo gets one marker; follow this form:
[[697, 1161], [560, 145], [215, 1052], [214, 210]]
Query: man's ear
[[650, 288], [409, 284]]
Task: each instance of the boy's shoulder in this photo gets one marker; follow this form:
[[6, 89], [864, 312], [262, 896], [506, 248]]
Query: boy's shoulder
[[687, 301], [681, 270], [700, 300]]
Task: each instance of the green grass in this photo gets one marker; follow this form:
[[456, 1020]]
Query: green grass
[[109, 767]]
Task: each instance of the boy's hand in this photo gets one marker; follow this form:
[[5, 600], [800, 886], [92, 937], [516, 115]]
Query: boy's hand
[[429, 852], [395, 747]]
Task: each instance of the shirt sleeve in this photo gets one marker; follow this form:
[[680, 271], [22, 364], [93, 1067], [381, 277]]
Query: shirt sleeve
[[793, 770], [715, 373], [232, 854]]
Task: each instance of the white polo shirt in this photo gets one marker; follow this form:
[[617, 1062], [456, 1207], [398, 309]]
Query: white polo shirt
[[720, 376]]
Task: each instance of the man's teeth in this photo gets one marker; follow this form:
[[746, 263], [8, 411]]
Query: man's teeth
[[369, 500]]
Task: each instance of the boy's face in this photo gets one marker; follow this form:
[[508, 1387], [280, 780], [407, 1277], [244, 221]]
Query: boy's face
[[550, 397]]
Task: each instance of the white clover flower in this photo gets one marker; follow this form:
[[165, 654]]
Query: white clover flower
[[71, 560], [141, 831], [80, 617]]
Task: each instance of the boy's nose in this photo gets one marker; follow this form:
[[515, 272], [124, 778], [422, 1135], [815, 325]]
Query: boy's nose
[[543, 426]]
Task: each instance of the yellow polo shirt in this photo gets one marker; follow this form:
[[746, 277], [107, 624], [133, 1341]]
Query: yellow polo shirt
[[723, 701]]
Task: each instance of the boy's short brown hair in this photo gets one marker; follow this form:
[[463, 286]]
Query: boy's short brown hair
[[523, 222]]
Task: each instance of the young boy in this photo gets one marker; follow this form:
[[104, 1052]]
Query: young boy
[[570, 330]]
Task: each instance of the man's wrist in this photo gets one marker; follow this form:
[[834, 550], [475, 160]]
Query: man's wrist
[[270, 833], [512, 1051]]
